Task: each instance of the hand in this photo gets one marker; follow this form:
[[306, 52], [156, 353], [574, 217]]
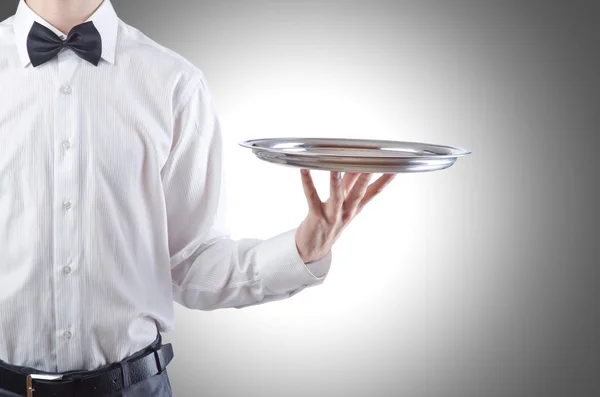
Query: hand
[[325, 221]]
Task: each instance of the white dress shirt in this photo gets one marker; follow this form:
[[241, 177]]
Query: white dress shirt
[[112, 202]]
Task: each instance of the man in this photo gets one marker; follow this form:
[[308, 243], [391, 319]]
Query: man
[[112, 206]]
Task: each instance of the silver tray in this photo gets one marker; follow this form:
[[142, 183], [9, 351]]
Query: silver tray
[[355, 155]]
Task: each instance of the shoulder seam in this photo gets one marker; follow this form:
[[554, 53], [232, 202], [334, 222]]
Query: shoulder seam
[[188, 95]]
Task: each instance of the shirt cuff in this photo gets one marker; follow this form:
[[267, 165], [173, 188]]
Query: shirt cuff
[[320, 267], [281, 268]]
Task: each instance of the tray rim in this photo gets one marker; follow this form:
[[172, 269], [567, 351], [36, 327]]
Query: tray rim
[[461, 151]]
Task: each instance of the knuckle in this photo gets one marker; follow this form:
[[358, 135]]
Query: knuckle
[[348, 212]]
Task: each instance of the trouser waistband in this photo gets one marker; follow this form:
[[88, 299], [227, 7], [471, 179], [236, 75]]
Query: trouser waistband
[[157, 342]]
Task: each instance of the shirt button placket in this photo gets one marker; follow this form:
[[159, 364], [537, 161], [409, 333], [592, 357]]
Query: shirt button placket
[[66, 244]]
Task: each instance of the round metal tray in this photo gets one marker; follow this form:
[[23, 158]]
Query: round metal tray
[[355, 155]]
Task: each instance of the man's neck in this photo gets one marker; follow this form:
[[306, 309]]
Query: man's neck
[[64, 14]]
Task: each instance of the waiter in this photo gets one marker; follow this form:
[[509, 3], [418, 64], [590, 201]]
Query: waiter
[[112, 205]]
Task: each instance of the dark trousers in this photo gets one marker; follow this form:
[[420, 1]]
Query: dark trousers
[[156, 386]]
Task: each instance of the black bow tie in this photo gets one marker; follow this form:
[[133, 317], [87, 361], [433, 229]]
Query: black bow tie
[[84, 39]]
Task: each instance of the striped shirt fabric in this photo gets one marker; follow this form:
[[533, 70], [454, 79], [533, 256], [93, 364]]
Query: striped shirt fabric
[[112, 202]]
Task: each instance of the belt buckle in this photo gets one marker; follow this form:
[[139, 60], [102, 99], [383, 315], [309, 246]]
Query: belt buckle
[[31, 377]]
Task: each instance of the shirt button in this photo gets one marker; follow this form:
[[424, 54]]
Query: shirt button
[[66, 89], [67, 269], [66, 144], [67, 205], [67, 335]]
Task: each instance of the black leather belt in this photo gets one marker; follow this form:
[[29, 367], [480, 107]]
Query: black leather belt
[[89, 384]]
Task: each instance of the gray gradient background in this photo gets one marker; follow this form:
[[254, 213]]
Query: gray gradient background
[[477, 281]]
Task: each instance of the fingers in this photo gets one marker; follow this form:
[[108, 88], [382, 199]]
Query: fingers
[[350, 193], [358, 191], [314, 202], [375, 188], [336, 189], [349, 180]]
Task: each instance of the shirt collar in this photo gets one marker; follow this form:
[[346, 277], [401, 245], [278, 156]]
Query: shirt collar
[[105, 20]]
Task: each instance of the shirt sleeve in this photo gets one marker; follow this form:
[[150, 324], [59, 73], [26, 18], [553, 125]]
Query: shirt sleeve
[[209, 269]]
